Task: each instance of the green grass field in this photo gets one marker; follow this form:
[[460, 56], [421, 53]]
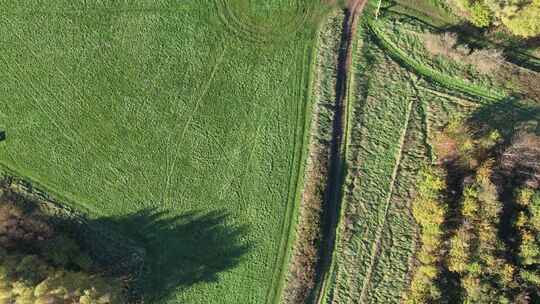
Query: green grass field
[[190, 113], [184, 126]]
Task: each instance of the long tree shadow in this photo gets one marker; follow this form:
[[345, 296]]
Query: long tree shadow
[[181, 250]]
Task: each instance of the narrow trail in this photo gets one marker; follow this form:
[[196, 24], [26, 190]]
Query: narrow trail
[[337, 146]]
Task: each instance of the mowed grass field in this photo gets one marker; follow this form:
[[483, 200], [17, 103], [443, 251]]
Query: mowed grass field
[[182, 122]]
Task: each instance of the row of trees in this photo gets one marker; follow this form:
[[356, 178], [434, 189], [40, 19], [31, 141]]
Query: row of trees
[[476, 252], [429, 212], [527, 224], [519, 16], [41, 265], [462, 235]]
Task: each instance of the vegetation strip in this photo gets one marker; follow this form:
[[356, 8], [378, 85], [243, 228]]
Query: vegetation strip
[[305, 261], [377, 241], [337, 147], [449, 82]]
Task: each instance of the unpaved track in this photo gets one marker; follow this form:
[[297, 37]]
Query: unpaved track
[[337, 148]]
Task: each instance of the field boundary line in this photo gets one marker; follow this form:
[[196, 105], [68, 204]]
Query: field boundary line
[[453, 99], [376, 245], [296, 178], [66, 198]]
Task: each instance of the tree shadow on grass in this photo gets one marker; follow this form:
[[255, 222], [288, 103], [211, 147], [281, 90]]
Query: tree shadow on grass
[[507, 117], [181, 250]]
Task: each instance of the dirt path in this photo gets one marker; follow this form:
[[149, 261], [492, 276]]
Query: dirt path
[[337, 148]]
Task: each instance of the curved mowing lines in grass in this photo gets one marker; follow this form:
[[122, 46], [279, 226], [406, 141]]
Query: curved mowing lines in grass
[[246, 28], [376, 244]]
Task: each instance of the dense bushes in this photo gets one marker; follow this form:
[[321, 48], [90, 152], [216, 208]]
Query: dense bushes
[[31, 279], [476, 250], [40, 265], [519, 16], [429, 213], [527, 224]]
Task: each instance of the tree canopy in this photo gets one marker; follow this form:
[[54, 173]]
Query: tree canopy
[[521, 17], [40, 265]]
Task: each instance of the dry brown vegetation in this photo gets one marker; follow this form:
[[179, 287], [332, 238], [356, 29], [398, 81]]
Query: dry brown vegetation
[[522, 158], [486, 61], [17, 226]]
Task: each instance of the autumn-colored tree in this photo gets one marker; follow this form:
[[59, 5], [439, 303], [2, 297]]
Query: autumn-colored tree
[[429, 213], [30, 279], [39, 265], [519, 16]]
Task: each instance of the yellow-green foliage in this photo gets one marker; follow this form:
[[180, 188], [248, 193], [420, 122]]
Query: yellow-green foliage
[[521, 17], [528, 224], [530, 276], [470, 150], [429, 212], [459, 251], [29, 279], [480, 14], [474, 249]]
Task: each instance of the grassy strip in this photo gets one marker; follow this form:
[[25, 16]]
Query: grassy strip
[[297, 179], [305, 258], [357, 120], [326, 282], [488, 96]]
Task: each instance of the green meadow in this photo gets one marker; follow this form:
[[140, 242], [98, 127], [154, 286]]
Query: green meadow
[[183, 123]]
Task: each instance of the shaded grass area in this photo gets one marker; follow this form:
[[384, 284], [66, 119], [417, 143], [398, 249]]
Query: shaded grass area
[[208, 245], [153, 106], [476, 90], [434, 16]]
